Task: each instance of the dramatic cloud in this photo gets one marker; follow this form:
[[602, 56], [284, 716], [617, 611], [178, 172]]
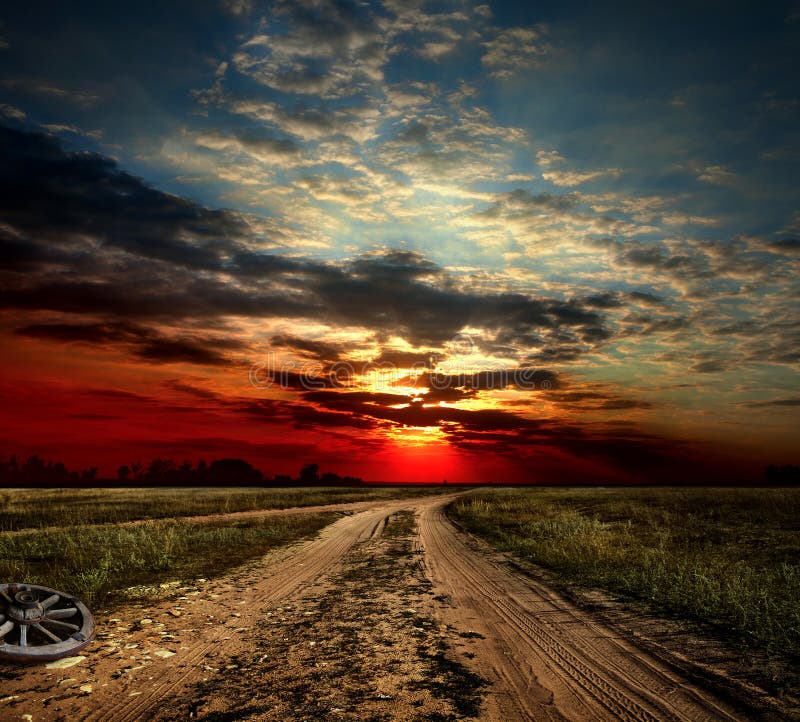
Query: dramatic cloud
[[517, 50], [142, 342], [550, 238], [192, 262]]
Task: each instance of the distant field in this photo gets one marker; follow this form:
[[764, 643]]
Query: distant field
[[38, 508], [730, 557], [76, 540]]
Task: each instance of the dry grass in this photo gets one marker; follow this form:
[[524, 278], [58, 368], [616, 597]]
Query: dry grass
[[40, 508], [95, 563], [75, 540], [728, 557]]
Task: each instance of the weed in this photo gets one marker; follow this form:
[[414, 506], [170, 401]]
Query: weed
[[728, 557], [95, 562]]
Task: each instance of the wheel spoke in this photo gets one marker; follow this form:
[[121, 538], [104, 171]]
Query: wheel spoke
[[50, 601], [63, 625], [61, 613], [47, 633], [23, 635], [6, 597], [6, 628]]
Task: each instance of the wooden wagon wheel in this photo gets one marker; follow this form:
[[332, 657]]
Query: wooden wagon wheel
[[38, 624]]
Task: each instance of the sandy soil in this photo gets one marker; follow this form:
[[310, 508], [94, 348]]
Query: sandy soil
[[370, 621]]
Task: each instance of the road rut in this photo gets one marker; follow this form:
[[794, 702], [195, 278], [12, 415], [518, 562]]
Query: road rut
[[547, 658]]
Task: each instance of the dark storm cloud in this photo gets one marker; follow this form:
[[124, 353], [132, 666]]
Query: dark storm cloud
[[394, 358], [622, 404], [557, 354], [155, 291], [268, 147], [607, 299], [91, 333], [270, 411], [596, 400], [305, 347], [88, 238], [710, 366], [382, 406], [789, 402], [165, 350], [648, 257], [22, 255], [626, 451], [409, 410], [142, 342], [503, 431], [666, 325], [646, 299], [59, 198], [786, 245], [191, 389], [302, 416], [521, 378], [521, 202], [508, 432], [392, 293]]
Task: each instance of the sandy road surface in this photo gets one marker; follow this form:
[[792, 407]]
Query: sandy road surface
[[548, 659], [212, 626], [545, 658]]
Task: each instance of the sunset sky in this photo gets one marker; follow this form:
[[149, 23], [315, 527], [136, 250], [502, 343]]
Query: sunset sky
[[523, 242]]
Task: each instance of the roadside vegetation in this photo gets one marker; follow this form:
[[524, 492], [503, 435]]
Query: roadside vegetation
[[40, 508], [726, 557], [78, 541], [96, 563]]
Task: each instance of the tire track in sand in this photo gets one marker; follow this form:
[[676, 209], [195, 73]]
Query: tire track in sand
[[548, 659], [127, 676], [280, 579]]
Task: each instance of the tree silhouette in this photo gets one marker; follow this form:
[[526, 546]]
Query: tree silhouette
[[35, 471], [309, 475], [238, 471], [782, 475]]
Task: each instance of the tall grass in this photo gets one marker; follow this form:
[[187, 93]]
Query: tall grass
[[39, 508], [730, 557], [94, 563]]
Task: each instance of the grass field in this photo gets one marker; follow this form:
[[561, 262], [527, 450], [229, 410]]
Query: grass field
[[95, 563], [76, 541], [39, 508], [728, 557]]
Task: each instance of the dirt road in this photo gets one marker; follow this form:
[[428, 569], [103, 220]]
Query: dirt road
[[549, 659], [542, 657]]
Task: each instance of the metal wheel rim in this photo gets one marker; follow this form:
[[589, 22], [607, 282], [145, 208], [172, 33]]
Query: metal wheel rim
[[39, 624]]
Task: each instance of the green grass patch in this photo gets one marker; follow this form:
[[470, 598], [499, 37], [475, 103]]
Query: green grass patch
[[39, 508], [96, 563], [728, 557]]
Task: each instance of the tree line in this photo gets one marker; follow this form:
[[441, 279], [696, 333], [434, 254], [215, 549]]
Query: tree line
[[35, 471], [788, 475]]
